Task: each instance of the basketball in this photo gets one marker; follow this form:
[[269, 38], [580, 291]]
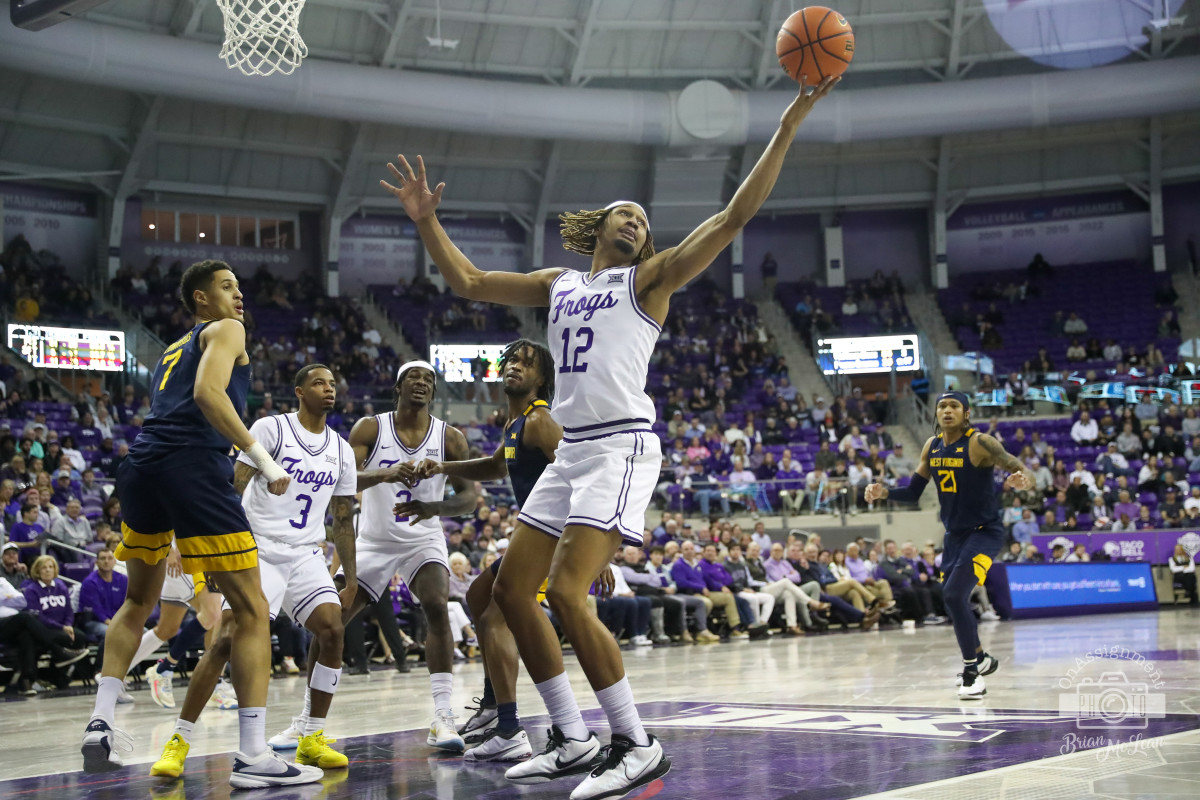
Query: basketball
[[815, 42]]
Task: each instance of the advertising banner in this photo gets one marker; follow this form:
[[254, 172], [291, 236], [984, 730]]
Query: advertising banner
[[1044, 589]]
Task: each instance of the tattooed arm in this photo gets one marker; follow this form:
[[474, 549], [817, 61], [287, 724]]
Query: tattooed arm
[[985, 451], [242, 475], [343, 543]]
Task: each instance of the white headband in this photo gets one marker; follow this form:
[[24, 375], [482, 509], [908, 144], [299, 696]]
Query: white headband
[[413, 365], [616, 203]]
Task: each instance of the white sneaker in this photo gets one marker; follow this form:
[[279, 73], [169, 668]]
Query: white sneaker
[[561, 757], [625, 768], [641, 641], [101, 742], [442, 734], [161, 690], [289, 738], [485, 717], [268, 768], [989, 616], [988, 664], [124, 698], [497, 746], [973, 692], [289, 666], [223, 696]]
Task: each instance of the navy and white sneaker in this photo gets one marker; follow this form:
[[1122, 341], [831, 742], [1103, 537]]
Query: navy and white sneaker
[[268, 768], [485, 717], [499, 746], [986, 665], [561, 757], [625, 767], [101, 742]]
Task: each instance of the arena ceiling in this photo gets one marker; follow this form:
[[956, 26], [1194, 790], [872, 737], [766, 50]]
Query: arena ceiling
[[129, 142]]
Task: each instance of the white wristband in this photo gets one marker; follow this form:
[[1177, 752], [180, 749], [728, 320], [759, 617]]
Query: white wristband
[[266, 465]]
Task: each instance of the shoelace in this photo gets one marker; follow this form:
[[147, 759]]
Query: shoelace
[[174, 745], [555, 740], [612, 753]]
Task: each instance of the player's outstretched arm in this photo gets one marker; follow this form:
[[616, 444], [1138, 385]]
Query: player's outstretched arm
[[907, 494], [671, 269], [489, 468], [465, 279], [362, 440], [224, 342], [986, 451]]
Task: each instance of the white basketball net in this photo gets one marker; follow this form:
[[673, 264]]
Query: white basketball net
[[263, 36]]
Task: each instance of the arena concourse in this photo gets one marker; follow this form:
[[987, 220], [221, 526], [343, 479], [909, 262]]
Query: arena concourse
[[950, 222]]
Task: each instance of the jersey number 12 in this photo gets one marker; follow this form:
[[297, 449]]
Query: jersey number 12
[[569, 363]]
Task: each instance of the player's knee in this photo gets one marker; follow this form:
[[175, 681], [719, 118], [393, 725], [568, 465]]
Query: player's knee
[[562, 599], [436, 613], [222, 646]]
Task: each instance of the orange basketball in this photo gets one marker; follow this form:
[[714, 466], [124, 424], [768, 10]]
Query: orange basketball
[[815, 42]]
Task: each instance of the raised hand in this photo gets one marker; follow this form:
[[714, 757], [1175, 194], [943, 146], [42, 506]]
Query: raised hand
[[806, 99], [412, 189]]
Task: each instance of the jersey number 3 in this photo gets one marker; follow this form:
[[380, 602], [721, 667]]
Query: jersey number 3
[[569, 363], [946, 481]]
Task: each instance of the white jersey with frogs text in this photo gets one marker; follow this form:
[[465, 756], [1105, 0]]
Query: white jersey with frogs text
[[376, 521], [321, 466], [601, 339]]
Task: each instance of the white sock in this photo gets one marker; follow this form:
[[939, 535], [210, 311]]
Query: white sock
[[313, 724], [623, 718], [252, 731], [307, 703], [443, 684], [184, 729], [560, 703], [150, 642], [108, 689]]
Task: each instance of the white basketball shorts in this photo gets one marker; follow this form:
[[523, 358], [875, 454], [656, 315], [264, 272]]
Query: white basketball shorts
[[378, 561], [294, 578], [603, 483]]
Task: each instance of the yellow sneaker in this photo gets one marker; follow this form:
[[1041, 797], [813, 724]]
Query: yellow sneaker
[[171, 763], [314, 751]]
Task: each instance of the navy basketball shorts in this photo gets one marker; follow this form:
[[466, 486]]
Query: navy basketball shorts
[[974, 549], [188, 497]]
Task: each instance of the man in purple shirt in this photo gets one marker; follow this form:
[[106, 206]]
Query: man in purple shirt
[[101, 594], [863, 572], [689, 578], [718, 579], [27, 534], [780, 569], [1125, 505]]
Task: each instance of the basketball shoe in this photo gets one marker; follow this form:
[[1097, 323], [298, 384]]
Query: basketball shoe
[[972, 687], [289, 738], [314, 751], [442, 734], [625, 768], [561, 757], [485, 717], [497, 746], [174, 754], [101, 741], [161, 690], [223, 696], [269, 769]]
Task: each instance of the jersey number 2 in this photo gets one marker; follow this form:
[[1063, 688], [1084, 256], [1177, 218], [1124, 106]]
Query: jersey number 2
[[573, 364], [946, 481]]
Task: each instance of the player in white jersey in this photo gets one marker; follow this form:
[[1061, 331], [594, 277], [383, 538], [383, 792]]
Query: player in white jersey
[[289, 530], [602, 329], [399, 530]]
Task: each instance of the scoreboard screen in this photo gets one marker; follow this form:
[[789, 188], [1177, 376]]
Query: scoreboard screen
[[861, 355], [69, 348], [453, 361]]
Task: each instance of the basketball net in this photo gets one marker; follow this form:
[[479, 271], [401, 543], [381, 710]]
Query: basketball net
[[262, 37]]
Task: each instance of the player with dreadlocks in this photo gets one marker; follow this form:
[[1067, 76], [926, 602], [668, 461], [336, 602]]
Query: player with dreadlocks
[[964, 460], [530, 439]]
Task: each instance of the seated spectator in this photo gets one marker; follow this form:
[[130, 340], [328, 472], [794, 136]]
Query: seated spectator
[[1170, 509], [1123, 524], [460, 575], [743, 485], [1126, 505], [1079, 554], [1074, 326], [102, 593], [824, 458], [863, 571], [1145, 520], [1024, 530], [23, 634], [1085, 431], [898, 465], [1049, 523], [48, 598], [912, 596], [1013, 554], [1129, 444], [1112, 463], [847, 588], [89, 489], [1012, 513], [73, 529], [1076, 351], [1043, 481], [1101, 513], [1085, 477], [1058, 554], [1112, 351], [1169, 444], [12, 570], [28, 534], [690, 579]]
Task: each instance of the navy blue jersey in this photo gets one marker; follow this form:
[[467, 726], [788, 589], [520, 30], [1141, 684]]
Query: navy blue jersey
[[967, 493], [525, 464], [175, 421]]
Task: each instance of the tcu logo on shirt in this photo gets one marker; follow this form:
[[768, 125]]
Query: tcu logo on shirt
[[53, 601]]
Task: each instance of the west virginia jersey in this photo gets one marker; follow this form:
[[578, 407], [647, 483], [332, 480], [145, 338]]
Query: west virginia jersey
[[525, 464], [967, 493], [178, 480]]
